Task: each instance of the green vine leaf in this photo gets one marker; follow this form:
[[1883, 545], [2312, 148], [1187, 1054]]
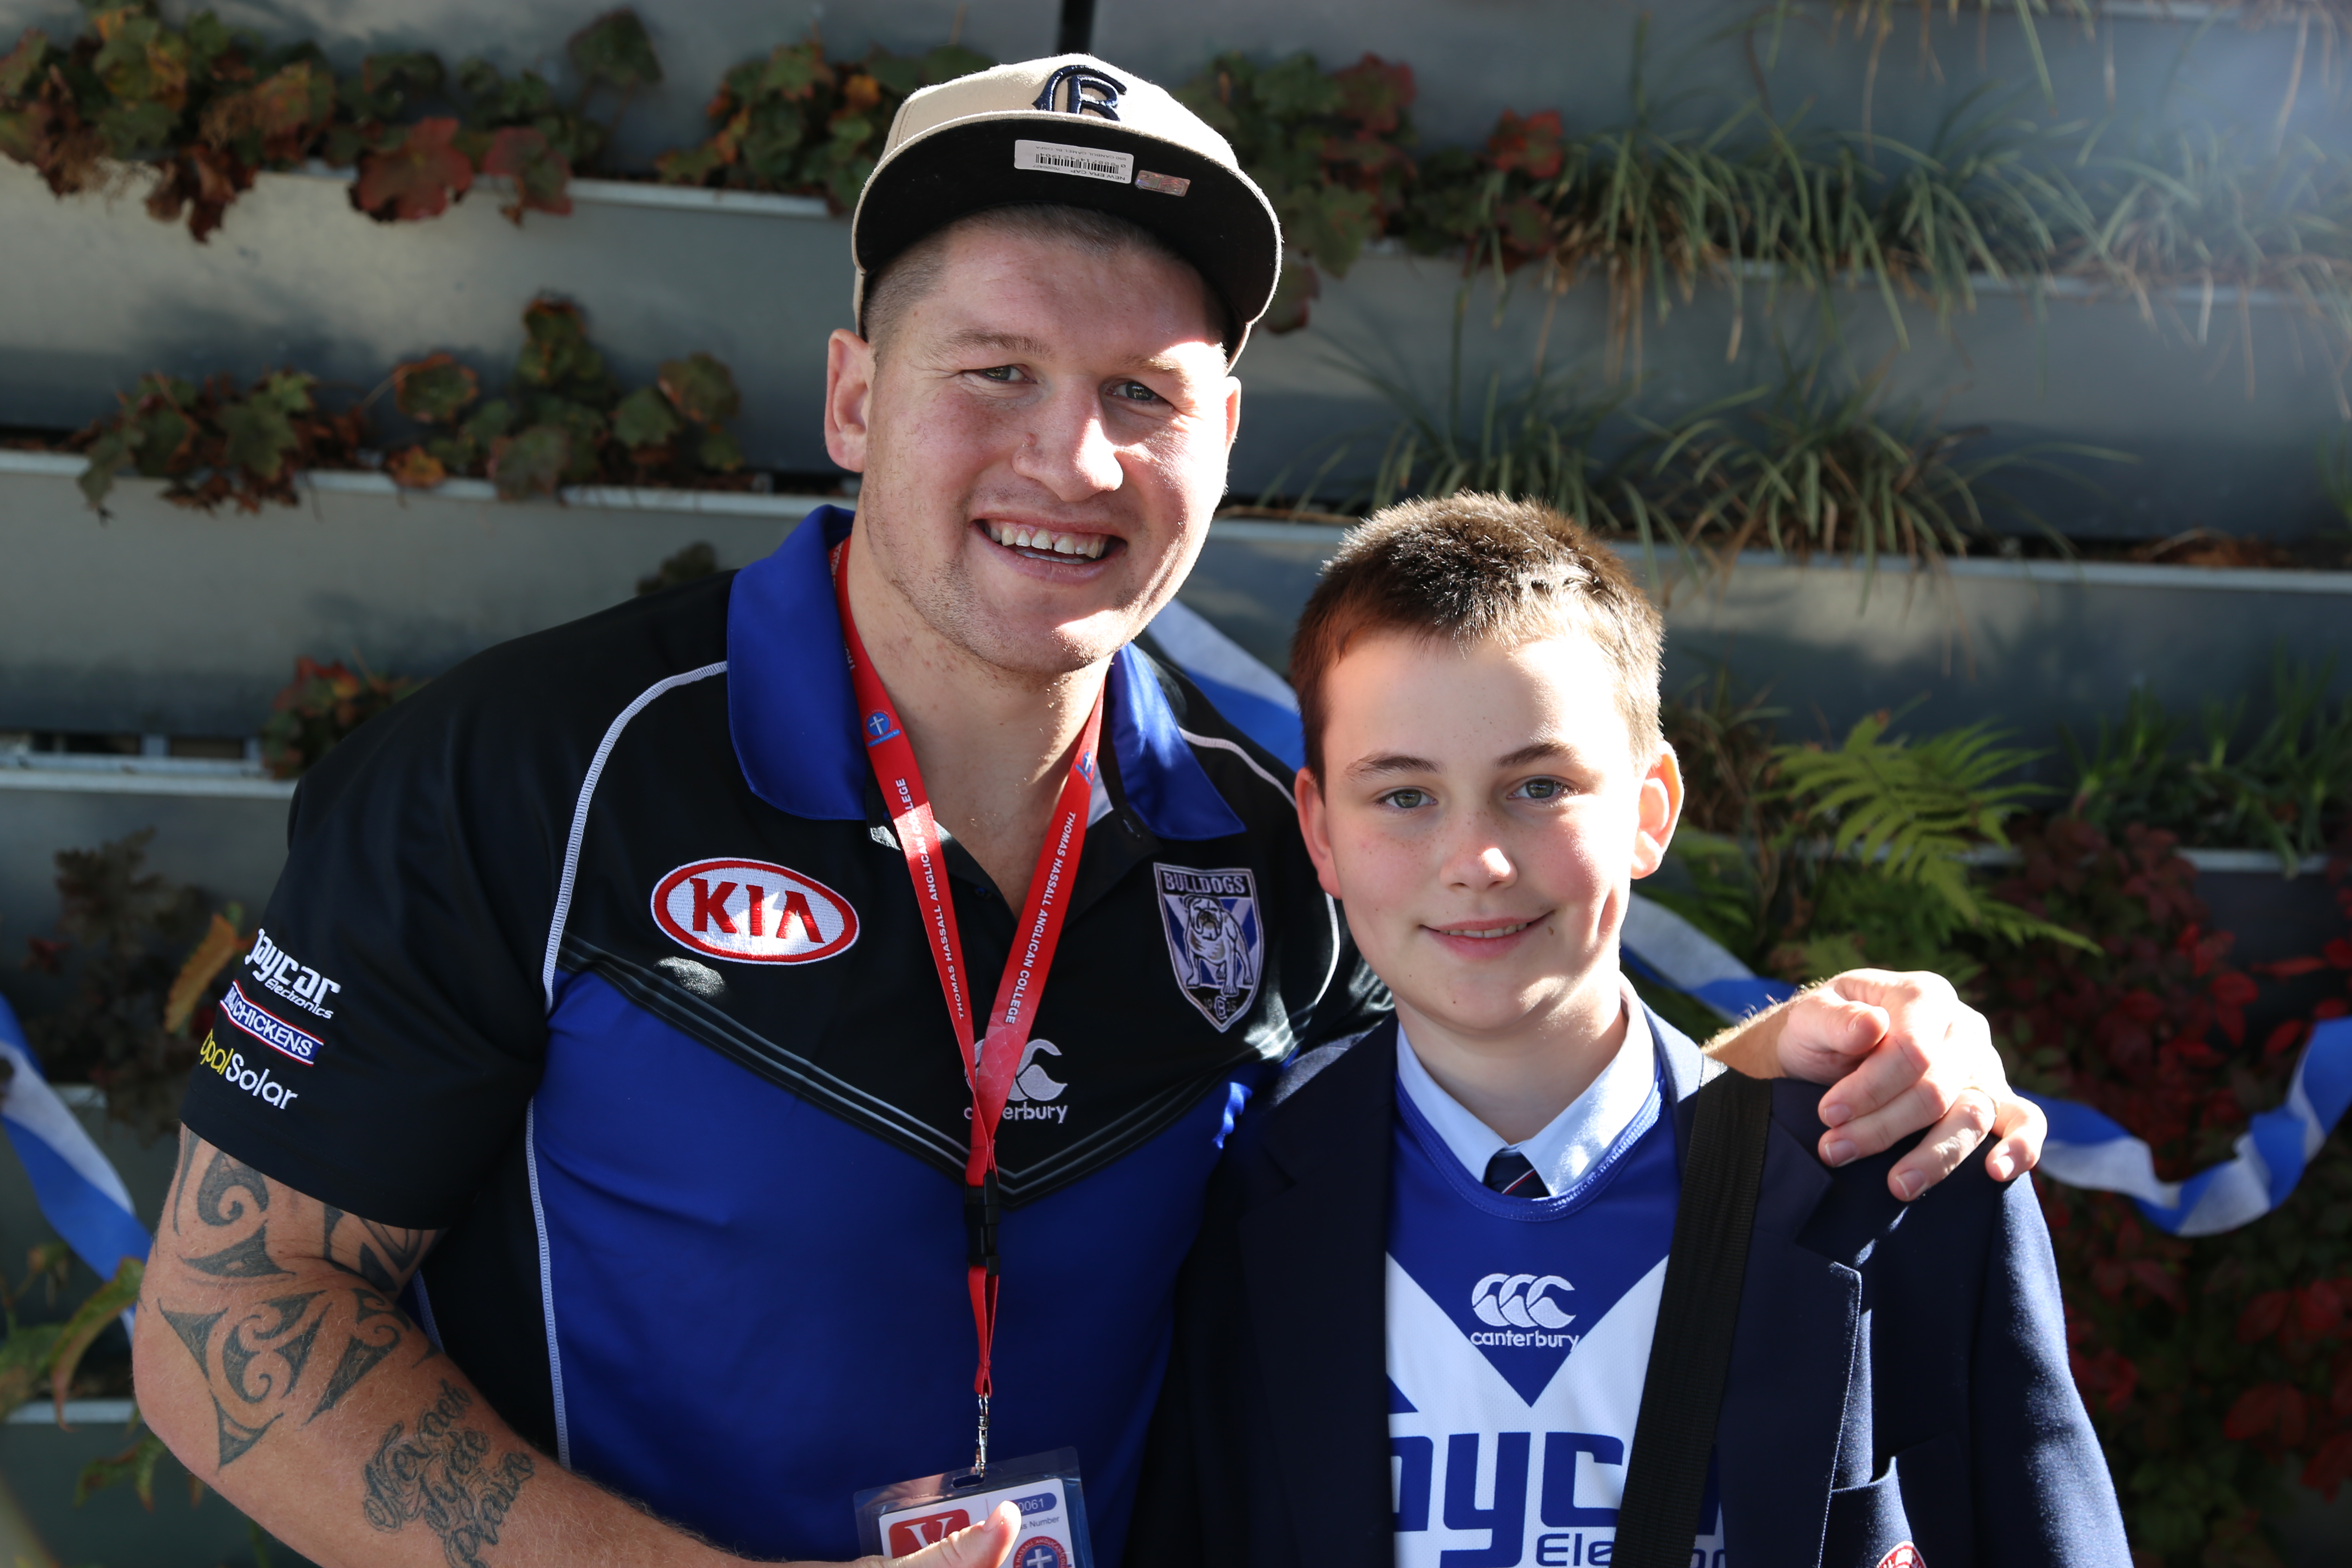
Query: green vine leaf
[[701, 388], [615, 51], [538, 171], [435, 389], [530, 464], [645, 419]]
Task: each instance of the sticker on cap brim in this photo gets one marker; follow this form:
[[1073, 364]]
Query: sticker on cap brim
[[1061, 158], [1166, 185]]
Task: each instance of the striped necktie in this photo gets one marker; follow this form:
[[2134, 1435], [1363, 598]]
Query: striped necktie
[[1509, 1173]]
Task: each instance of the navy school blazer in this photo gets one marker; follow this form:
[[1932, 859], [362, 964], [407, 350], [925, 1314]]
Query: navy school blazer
[[1898, 1371]]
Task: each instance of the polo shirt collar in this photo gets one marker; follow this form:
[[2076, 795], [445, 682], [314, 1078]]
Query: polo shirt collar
[[793, 717]]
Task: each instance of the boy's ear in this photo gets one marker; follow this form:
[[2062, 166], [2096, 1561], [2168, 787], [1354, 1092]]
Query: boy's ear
[[1661, 808], [1315, 826]]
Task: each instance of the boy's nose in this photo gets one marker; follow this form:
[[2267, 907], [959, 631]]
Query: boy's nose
[[1480, 865]]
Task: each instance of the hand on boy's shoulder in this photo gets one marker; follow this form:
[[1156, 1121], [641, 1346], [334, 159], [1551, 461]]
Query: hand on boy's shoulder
[[1902, 1053]]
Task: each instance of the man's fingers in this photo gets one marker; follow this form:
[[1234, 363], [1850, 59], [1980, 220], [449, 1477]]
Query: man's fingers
[[1898, 1077], [2018, 1132], [1948, 1143], [981, 1545]]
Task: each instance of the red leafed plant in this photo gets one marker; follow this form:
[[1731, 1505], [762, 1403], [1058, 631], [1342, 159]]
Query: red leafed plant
[[2214, 1367], [323, 703]]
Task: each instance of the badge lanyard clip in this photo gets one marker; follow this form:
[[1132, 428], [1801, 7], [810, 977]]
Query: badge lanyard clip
[[990, 1055]]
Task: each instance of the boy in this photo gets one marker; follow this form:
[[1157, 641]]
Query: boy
[[1418, 1321]]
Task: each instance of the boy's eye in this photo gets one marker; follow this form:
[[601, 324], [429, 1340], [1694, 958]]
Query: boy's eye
[[1406, 799], [1540, 789]]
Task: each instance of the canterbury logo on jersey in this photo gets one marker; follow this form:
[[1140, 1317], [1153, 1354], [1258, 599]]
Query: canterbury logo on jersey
[[753, 912], [1031, 1084], [1520, 1301]]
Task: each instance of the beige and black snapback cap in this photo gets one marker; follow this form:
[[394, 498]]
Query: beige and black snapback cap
[[1070, 131]]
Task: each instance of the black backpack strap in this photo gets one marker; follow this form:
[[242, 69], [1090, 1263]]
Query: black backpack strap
[[1690, 1352]]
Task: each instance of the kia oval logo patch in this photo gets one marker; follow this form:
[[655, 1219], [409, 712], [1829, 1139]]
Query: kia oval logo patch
[[751, 911]]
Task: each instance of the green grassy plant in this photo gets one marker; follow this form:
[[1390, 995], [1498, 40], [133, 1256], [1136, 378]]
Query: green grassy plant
[[2285, 786]]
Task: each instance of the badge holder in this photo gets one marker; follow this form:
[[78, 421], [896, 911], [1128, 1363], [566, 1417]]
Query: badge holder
[[896, 1520]]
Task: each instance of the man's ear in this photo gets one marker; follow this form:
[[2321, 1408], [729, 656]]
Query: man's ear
[[848, 388], [1233, 410], [1661, 808], [1315, 826]]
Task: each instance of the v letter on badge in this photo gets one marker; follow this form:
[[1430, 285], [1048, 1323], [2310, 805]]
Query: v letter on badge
[[1216, 938]]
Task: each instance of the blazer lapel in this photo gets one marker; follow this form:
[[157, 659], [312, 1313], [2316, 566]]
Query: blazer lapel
[[1314, 1266], [1792, 1354]]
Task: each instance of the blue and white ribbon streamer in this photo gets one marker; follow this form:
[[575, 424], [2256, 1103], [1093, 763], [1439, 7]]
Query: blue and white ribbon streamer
[[2089, 1149], [2086, 1148], [1257, 701], [81, 1195]]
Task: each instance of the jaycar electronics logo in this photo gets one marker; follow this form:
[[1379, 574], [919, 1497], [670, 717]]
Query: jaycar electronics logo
[[751, 911], [1215, 939]]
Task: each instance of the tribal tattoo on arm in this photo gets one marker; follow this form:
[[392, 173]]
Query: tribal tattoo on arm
[[287, 1304]]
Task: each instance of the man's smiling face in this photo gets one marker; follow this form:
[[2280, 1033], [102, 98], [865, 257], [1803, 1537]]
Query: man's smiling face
[[1043, 441]]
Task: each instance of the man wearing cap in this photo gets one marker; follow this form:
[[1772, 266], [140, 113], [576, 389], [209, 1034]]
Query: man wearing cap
[[626, 978]]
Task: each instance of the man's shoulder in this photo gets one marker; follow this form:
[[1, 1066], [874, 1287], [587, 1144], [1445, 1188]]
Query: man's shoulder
[[1255, 781]]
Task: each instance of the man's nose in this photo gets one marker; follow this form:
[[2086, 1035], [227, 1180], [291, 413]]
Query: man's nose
[[1067, 448]]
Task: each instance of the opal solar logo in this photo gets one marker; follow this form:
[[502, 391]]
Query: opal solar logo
[[1520, 1300], [753, 912]]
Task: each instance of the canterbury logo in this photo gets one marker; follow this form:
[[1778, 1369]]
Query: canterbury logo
[[1520, 1300]]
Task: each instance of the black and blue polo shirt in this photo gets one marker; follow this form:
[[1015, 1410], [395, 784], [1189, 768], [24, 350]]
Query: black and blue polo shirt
[[599, 954]]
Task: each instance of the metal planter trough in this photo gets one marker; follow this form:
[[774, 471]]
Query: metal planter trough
[[2031, 645], [157, 619]]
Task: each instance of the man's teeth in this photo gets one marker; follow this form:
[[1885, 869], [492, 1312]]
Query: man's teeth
[[1015, 537], [1490, 932]]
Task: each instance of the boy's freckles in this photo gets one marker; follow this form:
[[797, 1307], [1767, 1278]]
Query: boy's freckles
[[1483, 815]]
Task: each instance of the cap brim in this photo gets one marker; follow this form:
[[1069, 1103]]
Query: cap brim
[[1222, 223]]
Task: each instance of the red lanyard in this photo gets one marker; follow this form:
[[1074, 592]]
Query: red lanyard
[[989, 1070]]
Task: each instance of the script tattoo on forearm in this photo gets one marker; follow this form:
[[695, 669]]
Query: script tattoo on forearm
[[254, 1355], [442, 1473]]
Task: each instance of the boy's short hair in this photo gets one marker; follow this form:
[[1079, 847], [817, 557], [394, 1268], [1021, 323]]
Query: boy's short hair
[[1473, 568]]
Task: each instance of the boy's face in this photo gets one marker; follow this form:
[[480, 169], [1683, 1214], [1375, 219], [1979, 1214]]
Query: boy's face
[[1482, 814]]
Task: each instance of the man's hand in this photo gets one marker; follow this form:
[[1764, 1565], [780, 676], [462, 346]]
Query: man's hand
[[981, 1545], [1901, 1052]]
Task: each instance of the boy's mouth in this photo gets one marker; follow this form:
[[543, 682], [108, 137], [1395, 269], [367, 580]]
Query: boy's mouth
[[1034, 542], [1486, 933]]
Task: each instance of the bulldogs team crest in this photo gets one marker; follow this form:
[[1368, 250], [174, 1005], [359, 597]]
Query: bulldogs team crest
[[1215, 938]]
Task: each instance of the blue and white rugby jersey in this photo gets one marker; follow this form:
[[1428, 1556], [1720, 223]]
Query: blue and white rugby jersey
[[1519, 1329]]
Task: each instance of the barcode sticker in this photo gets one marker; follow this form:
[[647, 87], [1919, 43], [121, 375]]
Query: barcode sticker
[[1059, 158]]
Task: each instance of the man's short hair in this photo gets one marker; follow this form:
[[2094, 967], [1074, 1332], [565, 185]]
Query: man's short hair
[[1474, 568], [915, 271]]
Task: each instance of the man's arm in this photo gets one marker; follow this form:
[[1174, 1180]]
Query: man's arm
[[270, 1356], [1901, 1052]]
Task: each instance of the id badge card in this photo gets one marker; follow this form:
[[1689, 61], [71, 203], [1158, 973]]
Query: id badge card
[[896, 1520]]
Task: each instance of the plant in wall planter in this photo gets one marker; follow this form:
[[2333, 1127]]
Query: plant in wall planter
[[208, 106], [563, 420], [139, 954], [321, 705], [796, 123]]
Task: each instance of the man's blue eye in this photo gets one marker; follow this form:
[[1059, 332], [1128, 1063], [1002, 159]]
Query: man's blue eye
[[1001, 371], [1135, 392]]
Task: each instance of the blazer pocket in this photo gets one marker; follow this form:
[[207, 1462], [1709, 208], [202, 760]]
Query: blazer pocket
[[1870, 1527]]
